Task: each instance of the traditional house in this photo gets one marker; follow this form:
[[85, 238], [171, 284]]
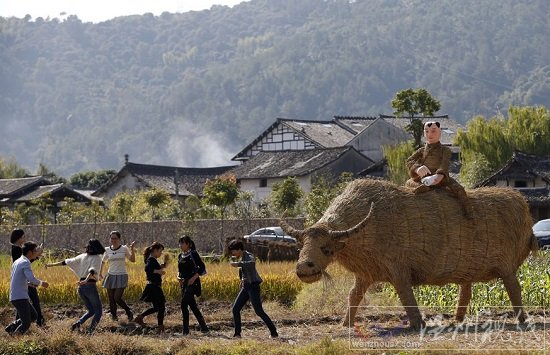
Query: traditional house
[[179, 182], [530, 174], [30, 189], [366, 134], [266, 168]]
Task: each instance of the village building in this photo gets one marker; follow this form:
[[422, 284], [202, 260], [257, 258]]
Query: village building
[[530, 175], [29, 190], [179, 182], [366, 134], [266, 168]]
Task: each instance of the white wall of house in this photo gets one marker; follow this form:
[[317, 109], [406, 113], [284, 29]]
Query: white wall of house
[[538, 182], [370, 141], [262, 193], [125, 183]]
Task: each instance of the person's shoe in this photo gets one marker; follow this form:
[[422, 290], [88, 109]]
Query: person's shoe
[[274, 335], [139, 320], [205, 330], [130, 316], [160, 329], [114, 318], [11, 327], [236, 335], [75, 326], [41, 322]]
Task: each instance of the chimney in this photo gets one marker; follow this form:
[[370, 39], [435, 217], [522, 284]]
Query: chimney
[[126, 156]]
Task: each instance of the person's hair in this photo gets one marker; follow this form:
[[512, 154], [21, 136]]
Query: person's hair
[[187, 240], [235, 245], [28, 247], [429, 124], [16, 234], [94, 247], [147, 251], [117, 233]]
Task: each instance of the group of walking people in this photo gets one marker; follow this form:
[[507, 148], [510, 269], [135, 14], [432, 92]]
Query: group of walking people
[[89, 267]]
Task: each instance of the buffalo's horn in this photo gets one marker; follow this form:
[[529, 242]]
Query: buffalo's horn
[[293, 232], [349, 232]]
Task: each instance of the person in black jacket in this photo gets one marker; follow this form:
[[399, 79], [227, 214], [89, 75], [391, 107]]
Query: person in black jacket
[[153, 290], [17, 239], [250, 287], [190, 267]]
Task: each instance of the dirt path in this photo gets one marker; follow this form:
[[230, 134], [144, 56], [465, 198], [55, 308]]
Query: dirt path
[[372, 331]]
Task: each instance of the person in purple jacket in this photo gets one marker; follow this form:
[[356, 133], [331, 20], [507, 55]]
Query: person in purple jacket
[[21, 278]]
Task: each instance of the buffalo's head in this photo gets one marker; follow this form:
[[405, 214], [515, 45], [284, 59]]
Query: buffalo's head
[[320, 244]]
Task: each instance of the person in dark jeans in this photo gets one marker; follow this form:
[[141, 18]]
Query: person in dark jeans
[[21, 278], [17, 239], [86, 266], [190, 267], [250, 288]]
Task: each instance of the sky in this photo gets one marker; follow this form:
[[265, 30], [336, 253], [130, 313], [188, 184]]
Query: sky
[[102, 10]]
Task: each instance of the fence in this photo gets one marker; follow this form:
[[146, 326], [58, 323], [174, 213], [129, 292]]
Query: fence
[[206, 233]]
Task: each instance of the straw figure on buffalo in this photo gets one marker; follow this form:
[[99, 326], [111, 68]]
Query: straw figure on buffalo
[[429, 168], [403, 243]]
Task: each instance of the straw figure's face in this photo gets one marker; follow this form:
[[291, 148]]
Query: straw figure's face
[[320, 246], [316, 254]]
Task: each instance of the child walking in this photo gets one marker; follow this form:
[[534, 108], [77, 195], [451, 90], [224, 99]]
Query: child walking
[[153, 290]]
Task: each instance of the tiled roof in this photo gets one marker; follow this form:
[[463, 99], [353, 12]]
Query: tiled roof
[[449, 126], [9, 187], [536, 196], [190, 180], [38, 192], [522, 165], [288, 163], [327, 134]]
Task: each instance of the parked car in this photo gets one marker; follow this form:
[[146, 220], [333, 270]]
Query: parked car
[[541, 230], [271, 234]]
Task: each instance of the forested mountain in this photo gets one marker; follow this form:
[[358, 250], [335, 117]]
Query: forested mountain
[[194, 88]]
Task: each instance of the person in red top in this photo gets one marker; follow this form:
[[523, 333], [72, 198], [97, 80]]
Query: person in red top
[[429, 168]]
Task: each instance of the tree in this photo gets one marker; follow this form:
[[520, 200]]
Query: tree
[[11, 170], [396, 157], [323, 191], [413, 102], [91, 179], [120, 207], [286, 194], [42, 209], [491, 143], [154, 199], [52, 177], [221, 192], [94, 213]]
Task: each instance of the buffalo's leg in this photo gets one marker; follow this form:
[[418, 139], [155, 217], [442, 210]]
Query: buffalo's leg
[[406, 295], [355, 296], [514, 292], [464, 298]]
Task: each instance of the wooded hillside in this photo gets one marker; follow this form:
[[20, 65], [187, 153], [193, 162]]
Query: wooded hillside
[[194, 88]]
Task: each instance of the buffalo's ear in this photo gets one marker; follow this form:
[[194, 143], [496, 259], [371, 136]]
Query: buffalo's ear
[[339, 246]]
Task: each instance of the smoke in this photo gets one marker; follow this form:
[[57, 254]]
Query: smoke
[[189, 146]]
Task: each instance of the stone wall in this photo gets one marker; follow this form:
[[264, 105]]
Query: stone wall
[[205, 233]]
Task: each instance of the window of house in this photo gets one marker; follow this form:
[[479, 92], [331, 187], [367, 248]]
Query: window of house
[[520, 183], [263, 182]]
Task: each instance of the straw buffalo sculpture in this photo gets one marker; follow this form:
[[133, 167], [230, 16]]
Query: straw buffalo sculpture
[[409, 240]]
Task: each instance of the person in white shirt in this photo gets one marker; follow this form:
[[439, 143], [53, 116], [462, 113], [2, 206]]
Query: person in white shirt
[[86, 267], [21, 277], [116, 280]]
